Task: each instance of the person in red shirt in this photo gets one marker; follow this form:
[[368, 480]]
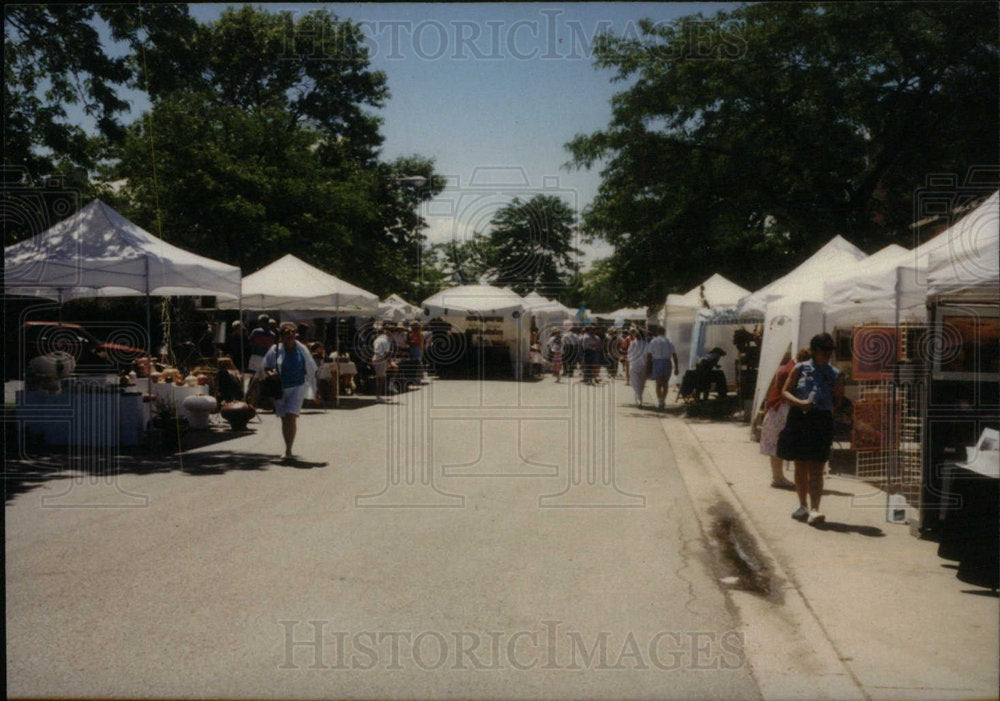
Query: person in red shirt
[[775, 416], [415, 339]]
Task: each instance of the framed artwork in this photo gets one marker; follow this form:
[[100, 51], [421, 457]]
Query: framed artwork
[[874, 352]]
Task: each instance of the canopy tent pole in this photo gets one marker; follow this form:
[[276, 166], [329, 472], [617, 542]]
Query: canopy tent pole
[[242, 330], [894, 428], [336, 358], [149, 321]]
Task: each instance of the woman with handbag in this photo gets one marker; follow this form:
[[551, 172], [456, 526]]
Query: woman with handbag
[[293, 363], [814, 388]]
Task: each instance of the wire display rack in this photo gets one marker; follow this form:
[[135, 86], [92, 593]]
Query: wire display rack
[[888, 424]]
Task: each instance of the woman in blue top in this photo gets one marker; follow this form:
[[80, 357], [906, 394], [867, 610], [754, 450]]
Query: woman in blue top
[[812, 390], [295, 364]]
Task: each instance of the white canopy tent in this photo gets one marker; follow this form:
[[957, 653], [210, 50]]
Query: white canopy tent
[[626, 314], [463, 305], [716, 291], [792, 305], [99, 253], [968, 254], [548, 314], [474, 300], [680, 311], [894, 286], [395, 308], [834, 260], [291, 284], [869, 291]]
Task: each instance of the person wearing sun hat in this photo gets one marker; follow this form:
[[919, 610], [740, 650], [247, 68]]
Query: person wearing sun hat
[[813, 389], [295, 366]]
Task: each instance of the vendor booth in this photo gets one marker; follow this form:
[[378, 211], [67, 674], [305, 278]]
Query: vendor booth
[[917, 335], [722, 328], [680, 312], [963, 301], [291, 285], [792, 309], [490, 330], [97, 252]]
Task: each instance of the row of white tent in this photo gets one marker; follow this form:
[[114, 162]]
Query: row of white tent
[[838, 287], [99, 253]]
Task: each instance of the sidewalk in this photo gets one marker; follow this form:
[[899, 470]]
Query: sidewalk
[[859, 593]]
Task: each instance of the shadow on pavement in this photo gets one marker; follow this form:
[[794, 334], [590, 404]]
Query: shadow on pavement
[[298, 463], [992, 593], [213, 462], [647, 411], [870, 531], [24, 475], [835, 493], [347, 403]]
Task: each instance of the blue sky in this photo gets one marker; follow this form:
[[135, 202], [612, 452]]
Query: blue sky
[[492, 92]]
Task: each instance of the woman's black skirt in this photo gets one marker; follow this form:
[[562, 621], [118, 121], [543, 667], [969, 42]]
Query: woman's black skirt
[[807, 435]]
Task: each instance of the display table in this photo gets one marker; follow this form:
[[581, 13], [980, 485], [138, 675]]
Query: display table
[[83, 417], [334, 377]]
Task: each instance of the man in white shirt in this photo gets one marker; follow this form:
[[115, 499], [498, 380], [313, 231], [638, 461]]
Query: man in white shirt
[[661, 352], [638, 361], [380, 361]]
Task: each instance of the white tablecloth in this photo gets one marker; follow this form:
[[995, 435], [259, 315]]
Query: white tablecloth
[[83, 418]]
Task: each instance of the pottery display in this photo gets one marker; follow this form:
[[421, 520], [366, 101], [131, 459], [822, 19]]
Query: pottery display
[[198, 407], [237, 414]]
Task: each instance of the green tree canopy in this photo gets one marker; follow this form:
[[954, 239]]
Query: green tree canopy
[[746, 141], [250, 152], [315, 69], [596, 288], [54, 57], [531, 245]]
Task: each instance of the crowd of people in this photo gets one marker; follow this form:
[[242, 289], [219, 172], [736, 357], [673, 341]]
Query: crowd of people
[[388, 356], [798, 410], [641, 353]]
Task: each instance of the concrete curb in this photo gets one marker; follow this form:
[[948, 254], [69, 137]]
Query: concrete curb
[[788, 649]]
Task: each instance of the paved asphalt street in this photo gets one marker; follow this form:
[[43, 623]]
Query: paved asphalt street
[[472, 539]]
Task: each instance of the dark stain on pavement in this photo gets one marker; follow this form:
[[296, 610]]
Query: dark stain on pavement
[[739, 559]]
